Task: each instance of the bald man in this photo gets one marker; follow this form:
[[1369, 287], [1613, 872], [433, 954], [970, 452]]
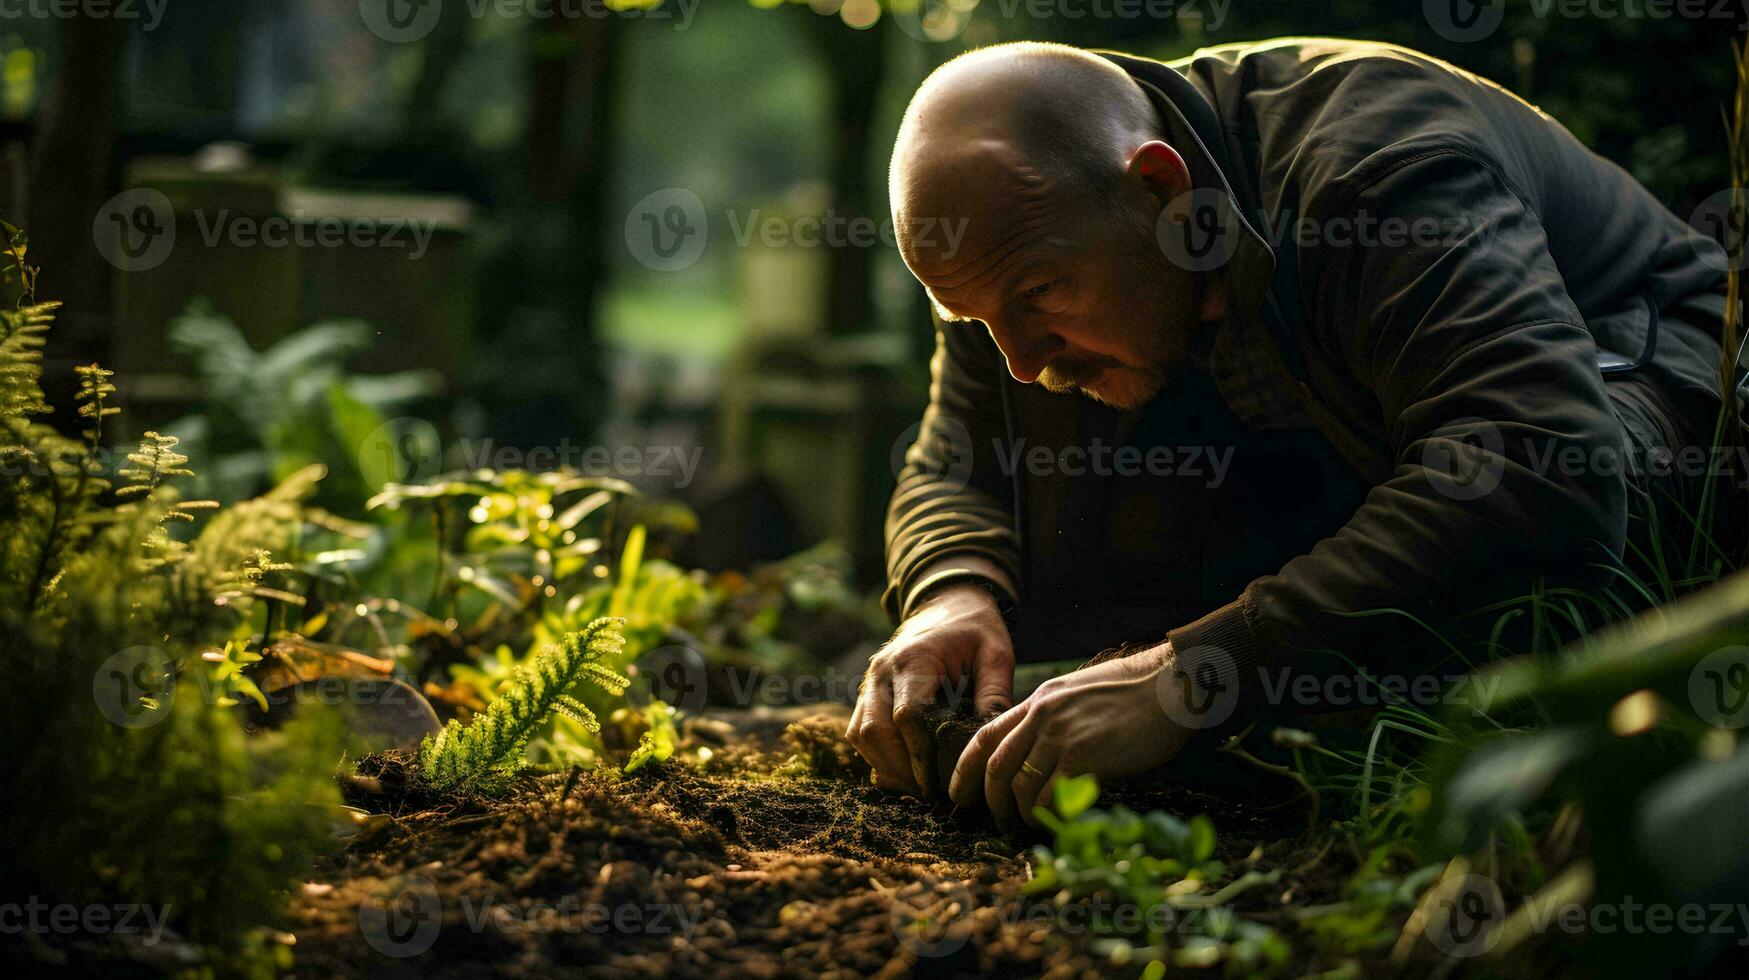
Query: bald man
[[1237, 349]]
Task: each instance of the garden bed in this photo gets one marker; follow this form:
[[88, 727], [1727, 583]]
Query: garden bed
[[766, 857]]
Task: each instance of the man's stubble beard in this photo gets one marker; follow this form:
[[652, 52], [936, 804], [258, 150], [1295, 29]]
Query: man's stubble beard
[[1123, 386]]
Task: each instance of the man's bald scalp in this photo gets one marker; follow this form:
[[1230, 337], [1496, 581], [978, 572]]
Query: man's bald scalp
[[1074, 116]]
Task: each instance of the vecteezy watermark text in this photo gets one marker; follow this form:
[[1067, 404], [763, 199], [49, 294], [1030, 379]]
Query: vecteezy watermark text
[[148, 12], [946, 450], [677, 463], [406, 21], [65, 918], [403, 916], [1098, 458], [1199, 231], [1465, 915], [136, 230], [1472, 462], [944, 20], [302, 231], [667, 230]]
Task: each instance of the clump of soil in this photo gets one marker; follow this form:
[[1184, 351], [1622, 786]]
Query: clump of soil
[[768, 868], [950, 730], [388, 782], [819, 739]]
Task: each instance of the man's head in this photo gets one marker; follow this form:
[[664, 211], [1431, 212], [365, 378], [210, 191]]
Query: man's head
[[1055, 165]]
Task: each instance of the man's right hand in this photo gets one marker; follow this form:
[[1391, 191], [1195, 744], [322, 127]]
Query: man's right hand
[[956, 635]]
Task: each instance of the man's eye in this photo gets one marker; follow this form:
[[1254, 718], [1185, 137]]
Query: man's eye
[[1039, 290]]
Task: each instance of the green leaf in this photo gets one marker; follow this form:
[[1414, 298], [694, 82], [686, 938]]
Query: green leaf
[[630, 560], [1071, 797], [574, 514], [656, 745], [1201, 844]]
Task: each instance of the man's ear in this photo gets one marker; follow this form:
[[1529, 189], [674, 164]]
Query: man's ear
[[1160, 167]]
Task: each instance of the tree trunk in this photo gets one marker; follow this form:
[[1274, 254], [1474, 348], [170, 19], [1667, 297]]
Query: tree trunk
[[555, 276], [856, 64], [70, 180]]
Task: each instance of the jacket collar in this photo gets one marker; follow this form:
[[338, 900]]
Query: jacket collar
[[1256, 361], [1201, 139]]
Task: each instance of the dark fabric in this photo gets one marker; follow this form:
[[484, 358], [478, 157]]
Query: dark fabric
[[1473, 350], [1670, 421]]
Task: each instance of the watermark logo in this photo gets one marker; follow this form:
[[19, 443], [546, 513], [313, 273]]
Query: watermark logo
[[406, 21], [675, 464], [945, 448], [1465, 916], [667, 230], [1724, 217], [402, 450], [1208, 464], [135, 230], [400, 21], [1285, 686], [1200, 688], [673, 674], [1463, 21], [1718, 687], [1468, 467], [932, 917], [135, 688], [402, 916], [1198, 231]]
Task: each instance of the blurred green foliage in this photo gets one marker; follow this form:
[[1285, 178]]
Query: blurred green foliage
[[267, 414], [141, 785]]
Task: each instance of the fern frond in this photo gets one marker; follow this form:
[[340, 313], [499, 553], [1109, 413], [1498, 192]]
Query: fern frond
[[482, 752], [578, 712], [21, 359], [606, 678], [155, 460], [94, 391]]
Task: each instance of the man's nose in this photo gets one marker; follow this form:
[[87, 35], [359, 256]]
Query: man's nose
[[1028, 351]]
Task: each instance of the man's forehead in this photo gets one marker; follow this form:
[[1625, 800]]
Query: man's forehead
[[957, 178], [959, 224]]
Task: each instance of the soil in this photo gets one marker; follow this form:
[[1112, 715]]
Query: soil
[[767, 855]]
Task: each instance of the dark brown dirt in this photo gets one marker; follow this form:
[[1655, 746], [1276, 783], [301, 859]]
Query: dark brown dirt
[[758, 860]]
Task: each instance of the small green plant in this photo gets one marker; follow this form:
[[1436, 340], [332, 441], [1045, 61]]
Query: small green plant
[[487, 750], [657, 743], [1116, 848], [1148, 862]]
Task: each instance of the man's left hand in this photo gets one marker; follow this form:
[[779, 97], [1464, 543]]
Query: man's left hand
[[1110, 720]]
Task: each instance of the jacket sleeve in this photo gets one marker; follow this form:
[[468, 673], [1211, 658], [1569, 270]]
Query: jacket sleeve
[[953, 501], [1484, 379]]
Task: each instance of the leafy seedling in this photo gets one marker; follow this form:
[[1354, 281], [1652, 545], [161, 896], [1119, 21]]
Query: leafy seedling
[[486, 751]]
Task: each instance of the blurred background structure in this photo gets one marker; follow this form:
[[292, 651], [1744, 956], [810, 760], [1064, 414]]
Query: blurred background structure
[[504, 225]]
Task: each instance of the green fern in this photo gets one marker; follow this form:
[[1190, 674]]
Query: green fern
[[156, 459], [94, 389], [21, 361], [486, 751]]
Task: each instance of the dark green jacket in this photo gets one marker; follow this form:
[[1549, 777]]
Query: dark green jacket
[[1425, 361]]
